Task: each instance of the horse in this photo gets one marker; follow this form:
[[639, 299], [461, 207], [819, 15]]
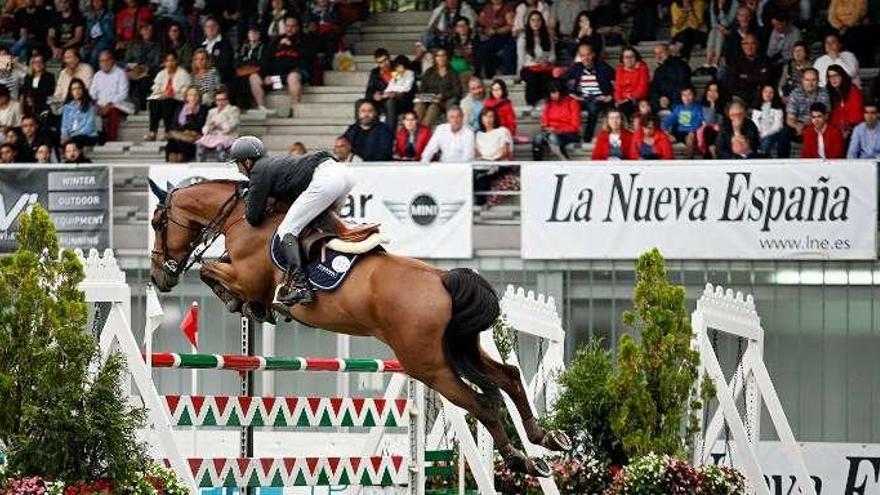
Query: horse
[[430, 318]]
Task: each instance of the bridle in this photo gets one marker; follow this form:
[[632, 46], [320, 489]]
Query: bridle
[[206, 236]]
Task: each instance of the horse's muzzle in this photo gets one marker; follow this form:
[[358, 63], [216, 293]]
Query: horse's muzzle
[[163, 281]]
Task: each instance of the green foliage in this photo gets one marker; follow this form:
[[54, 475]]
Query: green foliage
[[645, 401], [505, 336], [57, 419]]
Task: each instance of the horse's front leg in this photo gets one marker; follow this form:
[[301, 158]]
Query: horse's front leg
[[219, 277]]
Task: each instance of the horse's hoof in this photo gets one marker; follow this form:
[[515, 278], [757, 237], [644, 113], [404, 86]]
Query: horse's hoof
[[557, 441], [538, 467], [255, 311]]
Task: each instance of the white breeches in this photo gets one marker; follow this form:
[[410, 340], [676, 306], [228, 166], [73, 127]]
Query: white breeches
[[329, 187]]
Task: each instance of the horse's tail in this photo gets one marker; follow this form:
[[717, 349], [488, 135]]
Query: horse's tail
[[474, 308]]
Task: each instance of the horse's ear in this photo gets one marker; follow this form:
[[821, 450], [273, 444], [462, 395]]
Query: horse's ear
[[158, 191]]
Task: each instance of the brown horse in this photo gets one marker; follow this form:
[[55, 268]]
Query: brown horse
[[429, 317]]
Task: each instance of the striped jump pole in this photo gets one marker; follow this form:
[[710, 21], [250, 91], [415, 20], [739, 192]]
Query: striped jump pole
[[252, 363]]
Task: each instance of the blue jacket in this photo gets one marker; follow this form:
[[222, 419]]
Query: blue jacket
[[684, 118], [604, 74], [76, 122]]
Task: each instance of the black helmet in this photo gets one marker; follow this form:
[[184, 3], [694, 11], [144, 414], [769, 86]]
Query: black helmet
[[247, 147]]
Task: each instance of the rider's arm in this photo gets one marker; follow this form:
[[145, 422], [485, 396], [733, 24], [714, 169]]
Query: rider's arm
[[258, 193]]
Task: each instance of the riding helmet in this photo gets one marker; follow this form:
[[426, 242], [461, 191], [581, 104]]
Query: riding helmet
[[247, 147]]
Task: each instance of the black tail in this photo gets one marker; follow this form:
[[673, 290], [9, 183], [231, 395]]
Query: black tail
[[474, 309]]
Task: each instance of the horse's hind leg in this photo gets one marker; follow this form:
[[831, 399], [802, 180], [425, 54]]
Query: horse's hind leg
[[509, 379]]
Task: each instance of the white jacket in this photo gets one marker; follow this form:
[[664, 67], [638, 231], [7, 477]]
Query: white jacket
[[181, 81], [770, 125]]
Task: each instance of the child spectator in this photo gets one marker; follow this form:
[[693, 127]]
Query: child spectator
[[536, 57], [768, 116], [632, 81], [79, 121], [614, 142], [186, 128], [560, 125], [648, 142], [822, 140], [683, 122], [411, 139], [500, 102]]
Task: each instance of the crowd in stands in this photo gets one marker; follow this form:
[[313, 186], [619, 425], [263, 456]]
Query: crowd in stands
[[73, 70]]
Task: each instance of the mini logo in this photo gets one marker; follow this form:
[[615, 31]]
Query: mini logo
[[340, 264], [423, 210]]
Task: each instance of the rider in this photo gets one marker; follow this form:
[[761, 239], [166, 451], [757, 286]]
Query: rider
[[314, 182]]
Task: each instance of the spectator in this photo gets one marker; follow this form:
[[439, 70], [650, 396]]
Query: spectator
[[722, 14], [186, 127], [500, 102], [472, 104], [493, 142], [463, 49], [342, 151], [523, 10], [11, 73], [865, 140], [495, 26], [643, 107], [73, 153], [73, 69], [536, 57], [44, 153], [8, 153], [782, 40], [736, 124], [298, 149], [371, 140], [743, 26], [322, 25], [713, 114], [142, 61], [591, 82], [741, 148], [684, 121], [614, 142], [749, 72], [176, 41], [848, 17], [645, 16], [67, 28], [768, 117], [411, 140], [204, 76], [584, 32], [688, 25], [99, 31], [847, 108], [109, 90], [379, 78], [454, 140], [632, 81], [128, 22], [565, 13], [32, 29], [441, 25], [221, 127], [797, 111], [560, 125], [220, 51], [648, 142], [834, 54], [10, 111], [670, 77], [821, 140], [290, 59], [253, 55], [32, 138], [273, 25], [793, 69], [440, 88], [79, 122], [168, 91], [23, 154], [400, 91]]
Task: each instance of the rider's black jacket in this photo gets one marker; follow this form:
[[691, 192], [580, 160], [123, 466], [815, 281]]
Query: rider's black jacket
[[281, 177]]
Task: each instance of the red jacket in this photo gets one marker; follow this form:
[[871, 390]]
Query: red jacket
[[833, 142], [602, 149], [662, 145], [631, 84], [848, 113], [504, 109], [563, 115], [423, 134]]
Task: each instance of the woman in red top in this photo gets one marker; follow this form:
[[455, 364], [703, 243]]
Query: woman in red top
[[649, 142], [411, 139], [847, 106], [127, 21], [499, 102], [631, 81], [560, 124], [614, 141]]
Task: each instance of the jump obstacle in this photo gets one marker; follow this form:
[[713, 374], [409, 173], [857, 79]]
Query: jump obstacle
[[105, 286]]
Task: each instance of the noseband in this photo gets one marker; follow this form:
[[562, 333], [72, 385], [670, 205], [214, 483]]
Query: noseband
[[205, 237]]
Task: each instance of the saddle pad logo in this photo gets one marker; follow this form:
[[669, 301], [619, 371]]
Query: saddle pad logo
[[340, 264]]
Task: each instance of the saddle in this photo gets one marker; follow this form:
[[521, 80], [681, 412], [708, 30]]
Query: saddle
[[329, 230]]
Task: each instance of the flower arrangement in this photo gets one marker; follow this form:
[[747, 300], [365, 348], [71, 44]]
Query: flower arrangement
[[653, 474], [588, 476], [722, 480], [158, 480]]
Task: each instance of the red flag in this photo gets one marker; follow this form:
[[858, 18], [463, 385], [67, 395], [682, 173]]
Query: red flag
[[190, 324]]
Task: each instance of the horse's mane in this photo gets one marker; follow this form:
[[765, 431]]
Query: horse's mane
[[225, 182]]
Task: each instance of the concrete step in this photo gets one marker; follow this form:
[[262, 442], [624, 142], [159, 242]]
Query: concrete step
[[349, 97], [399, 18], [313, 142], [395, 47], [323, 110], [411, 37], [415, 29], [294, 129], [345, 78]]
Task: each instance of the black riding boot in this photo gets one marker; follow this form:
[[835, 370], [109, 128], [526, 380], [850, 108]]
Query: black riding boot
[[297, 289]]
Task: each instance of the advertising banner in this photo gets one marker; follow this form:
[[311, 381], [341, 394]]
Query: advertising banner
[[426, 211], [729, 210], [78, 200]]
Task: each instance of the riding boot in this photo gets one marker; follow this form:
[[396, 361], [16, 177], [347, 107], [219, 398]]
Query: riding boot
[[296, 284]]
